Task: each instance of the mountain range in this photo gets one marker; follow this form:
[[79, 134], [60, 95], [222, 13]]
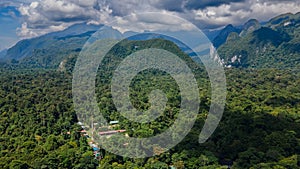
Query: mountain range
[[50, 50], [44, 51], [253, 44], [275, 44]]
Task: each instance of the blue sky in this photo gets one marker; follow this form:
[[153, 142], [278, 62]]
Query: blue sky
[[21, 19], [10, 19]]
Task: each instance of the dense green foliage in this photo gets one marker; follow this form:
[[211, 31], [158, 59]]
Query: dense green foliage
[[36, 115], [260, 127]]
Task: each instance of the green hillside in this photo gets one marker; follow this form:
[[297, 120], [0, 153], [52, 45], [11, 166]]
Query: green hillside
[[260, 127], [274, 45], [38, 124]]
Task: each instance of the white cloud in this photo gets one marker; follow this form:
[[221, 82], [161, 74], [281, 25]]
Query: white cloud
[[49, 15], [152, 21], [239, 12], [25, 32], [265, 11]]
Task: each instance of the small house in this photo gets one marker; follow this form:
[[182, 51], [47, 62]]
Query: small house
[[113, 122]]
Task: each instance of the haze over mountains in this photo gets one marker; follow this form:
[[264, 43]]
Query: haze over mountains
[[251, 45], [260, 125]]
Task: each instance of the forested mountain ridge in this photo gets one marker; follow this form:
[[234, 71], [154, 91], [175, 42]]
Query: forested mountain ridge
[[260, 127], [275, 44], [49, 50], [250, 45]]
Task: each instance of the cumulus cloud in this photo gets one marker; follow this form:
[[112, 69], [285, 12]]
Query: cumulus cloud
[[238, 13], [51, 15], [152, 21], [127, 7], [44, 16]]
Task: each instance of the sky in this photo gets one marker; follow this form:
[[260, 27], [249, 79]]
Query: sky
[[20, 19]]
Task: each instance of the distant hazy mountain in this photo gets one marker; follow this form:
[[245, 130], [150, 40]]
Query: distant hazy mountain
[[251, 45], [76, 29], [50, 49], [250, 26], [224, 33], [212, 34], [3, 53], [108, 32]]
